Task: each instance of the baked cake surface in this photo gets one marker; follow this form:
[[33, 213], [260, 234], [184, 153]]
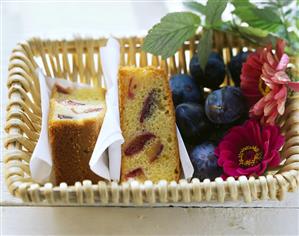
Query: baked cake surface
[[75, 120], [150, 151]]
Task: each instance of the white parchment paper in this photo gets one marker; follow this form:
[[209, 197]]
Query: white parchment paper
[[187, 166], [110, 136], [41, 160]]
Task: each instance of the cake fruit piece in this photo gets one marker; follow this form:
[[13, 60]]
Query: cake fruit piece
[[75, 120], [150, 151]]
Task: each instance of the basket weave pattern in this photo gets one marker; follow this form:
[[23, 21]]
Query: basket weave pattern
[[79, 60]]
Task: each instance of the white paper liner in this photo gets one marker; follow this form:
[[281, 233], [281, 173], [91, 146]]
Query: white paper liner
[[187, 166], [106, 157], [41, 160], [110, 135]]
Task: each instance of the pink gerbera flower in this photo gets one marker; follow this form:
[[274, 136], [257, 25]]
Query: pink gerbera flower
[[265, 83], [249, 149]]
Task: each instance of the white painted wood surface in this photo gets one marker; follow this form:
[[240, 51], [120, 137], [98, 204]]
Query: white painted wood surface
[[24, 19], [178, 221]]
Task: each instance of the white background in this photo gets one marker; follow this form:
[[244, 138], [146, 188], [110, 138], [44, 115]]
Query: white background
[[24, 19]]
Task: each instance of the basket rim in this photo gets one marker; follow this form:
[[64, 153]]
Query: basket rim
[[273, 186]]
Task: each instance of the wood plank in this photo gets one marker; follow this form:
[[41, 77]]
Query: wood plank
[[178, 221]]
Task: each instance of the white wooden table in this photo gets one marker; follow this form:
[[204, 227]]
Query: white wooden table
[[22, 20]]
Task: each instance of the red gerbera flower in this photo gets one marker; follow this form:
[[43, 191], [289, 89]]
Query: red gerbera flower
[[249, 149], [252, 86]]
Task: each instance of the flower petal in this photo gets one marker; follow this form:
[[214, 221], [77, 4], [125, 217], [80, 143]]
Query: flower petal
[[275, 159], [280, 45], [270, 120], [281, 106], [282, 93], [270, 59], [268, 71], [270, 108], [294, 86], [280, 77], [283, 63]]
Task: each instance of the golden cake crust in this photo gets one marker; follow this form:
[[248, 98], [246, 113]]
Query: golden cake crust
[[167, 166]]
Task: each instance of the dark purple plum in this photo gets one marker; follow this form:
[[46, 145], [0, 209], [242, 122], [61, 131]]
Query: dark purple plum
[[192, 122], [215, 55], [235, 66], [220, 130], [184, 89], [204, 161], [225, 105], [214, 73], [195, 69]]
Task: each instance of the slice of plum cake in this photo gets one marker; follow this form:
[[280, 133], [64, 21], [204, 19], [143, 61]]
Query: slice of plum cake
[[150, 151]]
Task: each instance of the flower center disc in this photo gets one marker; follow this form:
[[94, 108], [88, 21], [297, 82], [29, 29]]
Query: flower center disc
[[263, 88], [250, 156]]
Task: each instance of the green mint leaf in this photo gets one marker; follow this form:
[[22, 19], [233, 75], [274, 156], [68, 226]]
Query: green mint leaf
[[166, 37], [254, 35], [267, 16], [257, 36], [196, 6], [214, 10], [205, 47], [265, 19]]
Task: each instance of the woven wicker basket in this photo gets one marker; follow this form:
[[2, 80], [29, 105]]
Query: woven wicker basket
[[79, 60]]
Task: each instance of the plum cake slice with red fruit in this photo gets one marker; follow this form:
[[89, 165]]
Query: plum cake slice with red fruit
[[150, 151], [75, 120]]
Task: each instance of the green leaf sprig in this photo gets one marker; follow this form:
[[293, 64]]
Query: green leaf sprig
[[174, 29], [258, 24], [213, 12], [166, 37]]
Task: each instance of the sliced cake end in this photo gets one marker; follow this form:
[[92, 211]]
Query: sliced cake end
[[75, 120]]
